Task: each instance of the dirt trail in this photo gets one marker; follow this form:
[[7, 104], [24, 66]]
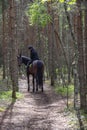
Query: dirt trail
[[36, 111]]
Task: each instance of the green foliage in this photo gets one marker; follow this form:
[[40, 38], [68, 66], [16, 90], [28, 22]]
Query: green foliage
[[63, 69], [37, 14], [62, 1], [63, 90], [68, 2], [6, 98], [5, 5], [2, 109], [46, 0], [7, 95]]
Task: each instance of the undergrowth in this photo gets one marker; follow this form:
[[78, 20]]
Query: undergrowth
[[64, 90], [6, 98], [7, 95]]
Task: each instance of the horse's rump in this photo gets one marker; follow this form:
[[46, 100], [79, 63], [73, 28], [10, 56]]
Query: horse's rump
[[39, 70], [37, 65]]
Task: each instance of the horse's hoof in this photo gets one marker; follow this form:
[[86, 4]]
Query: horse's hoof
[[28, 89], [42, 89], [36, 89]]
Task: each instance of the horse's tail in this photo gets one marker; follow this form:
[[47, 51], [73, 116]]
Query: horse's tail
[[40, 71]]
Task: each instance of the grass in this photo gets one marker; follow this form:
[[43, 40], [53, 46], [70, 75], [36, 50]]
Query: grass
[[2, 109], [7, 95], [6, 98], [78, 121], [63, 90], [74, 120]]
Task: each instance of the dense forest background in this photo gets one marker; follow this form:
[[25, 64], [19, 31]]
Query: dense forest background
[[58, 31]]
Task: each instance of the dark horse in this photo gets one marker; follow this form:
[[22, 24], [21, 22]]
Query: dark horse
[[36, 69]]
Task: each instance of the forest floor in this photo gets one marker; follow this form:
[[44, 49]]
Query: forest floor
[[36, 111]]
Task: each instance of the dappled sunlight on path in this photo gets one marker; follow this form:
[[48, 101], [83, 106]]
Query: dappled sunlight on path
[[36, 111]]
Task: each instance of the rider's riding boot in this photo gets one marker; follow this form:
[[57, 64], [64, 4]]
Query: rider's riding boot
[[27, 66]]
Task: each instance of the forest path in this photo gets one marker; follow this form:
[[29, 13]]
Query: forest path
[[36, 111]]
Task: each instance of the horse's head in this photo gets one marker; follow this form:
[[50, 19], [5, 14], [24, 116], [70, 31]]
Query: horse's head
[[19, 58], [23, 59]]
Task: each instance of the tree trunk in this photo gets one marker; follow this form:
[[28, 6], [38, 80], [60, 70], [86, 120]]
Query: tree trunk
[[4, 46], [13, 48], [85, 53], [51, 38], [81, 71]]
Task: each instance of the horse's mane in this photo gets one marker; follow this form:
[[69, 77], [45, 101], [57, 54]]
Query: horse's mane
[[25, 57]]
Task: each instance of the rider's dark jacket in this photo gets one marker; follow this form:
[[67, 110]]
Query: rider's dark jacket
[[33, 55]]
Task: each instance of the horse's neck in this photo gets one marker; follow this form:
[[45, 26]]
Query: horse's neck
[[25, 61]]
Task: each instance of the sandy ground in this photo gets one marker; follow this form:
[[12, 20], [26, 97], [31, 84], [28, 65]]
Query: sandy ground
[[36, 111]]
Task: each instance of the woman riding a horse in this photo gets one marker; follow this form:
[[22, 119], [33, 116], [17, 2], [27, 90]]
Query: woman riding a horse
[[36, 69], [33, 55]]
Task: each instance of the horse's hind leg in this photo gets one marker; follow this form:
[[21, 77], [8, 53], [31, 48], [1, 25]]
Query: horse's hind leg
[[33, 84], [28, 86], [28, 82], [36, 83], [42, 87]]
